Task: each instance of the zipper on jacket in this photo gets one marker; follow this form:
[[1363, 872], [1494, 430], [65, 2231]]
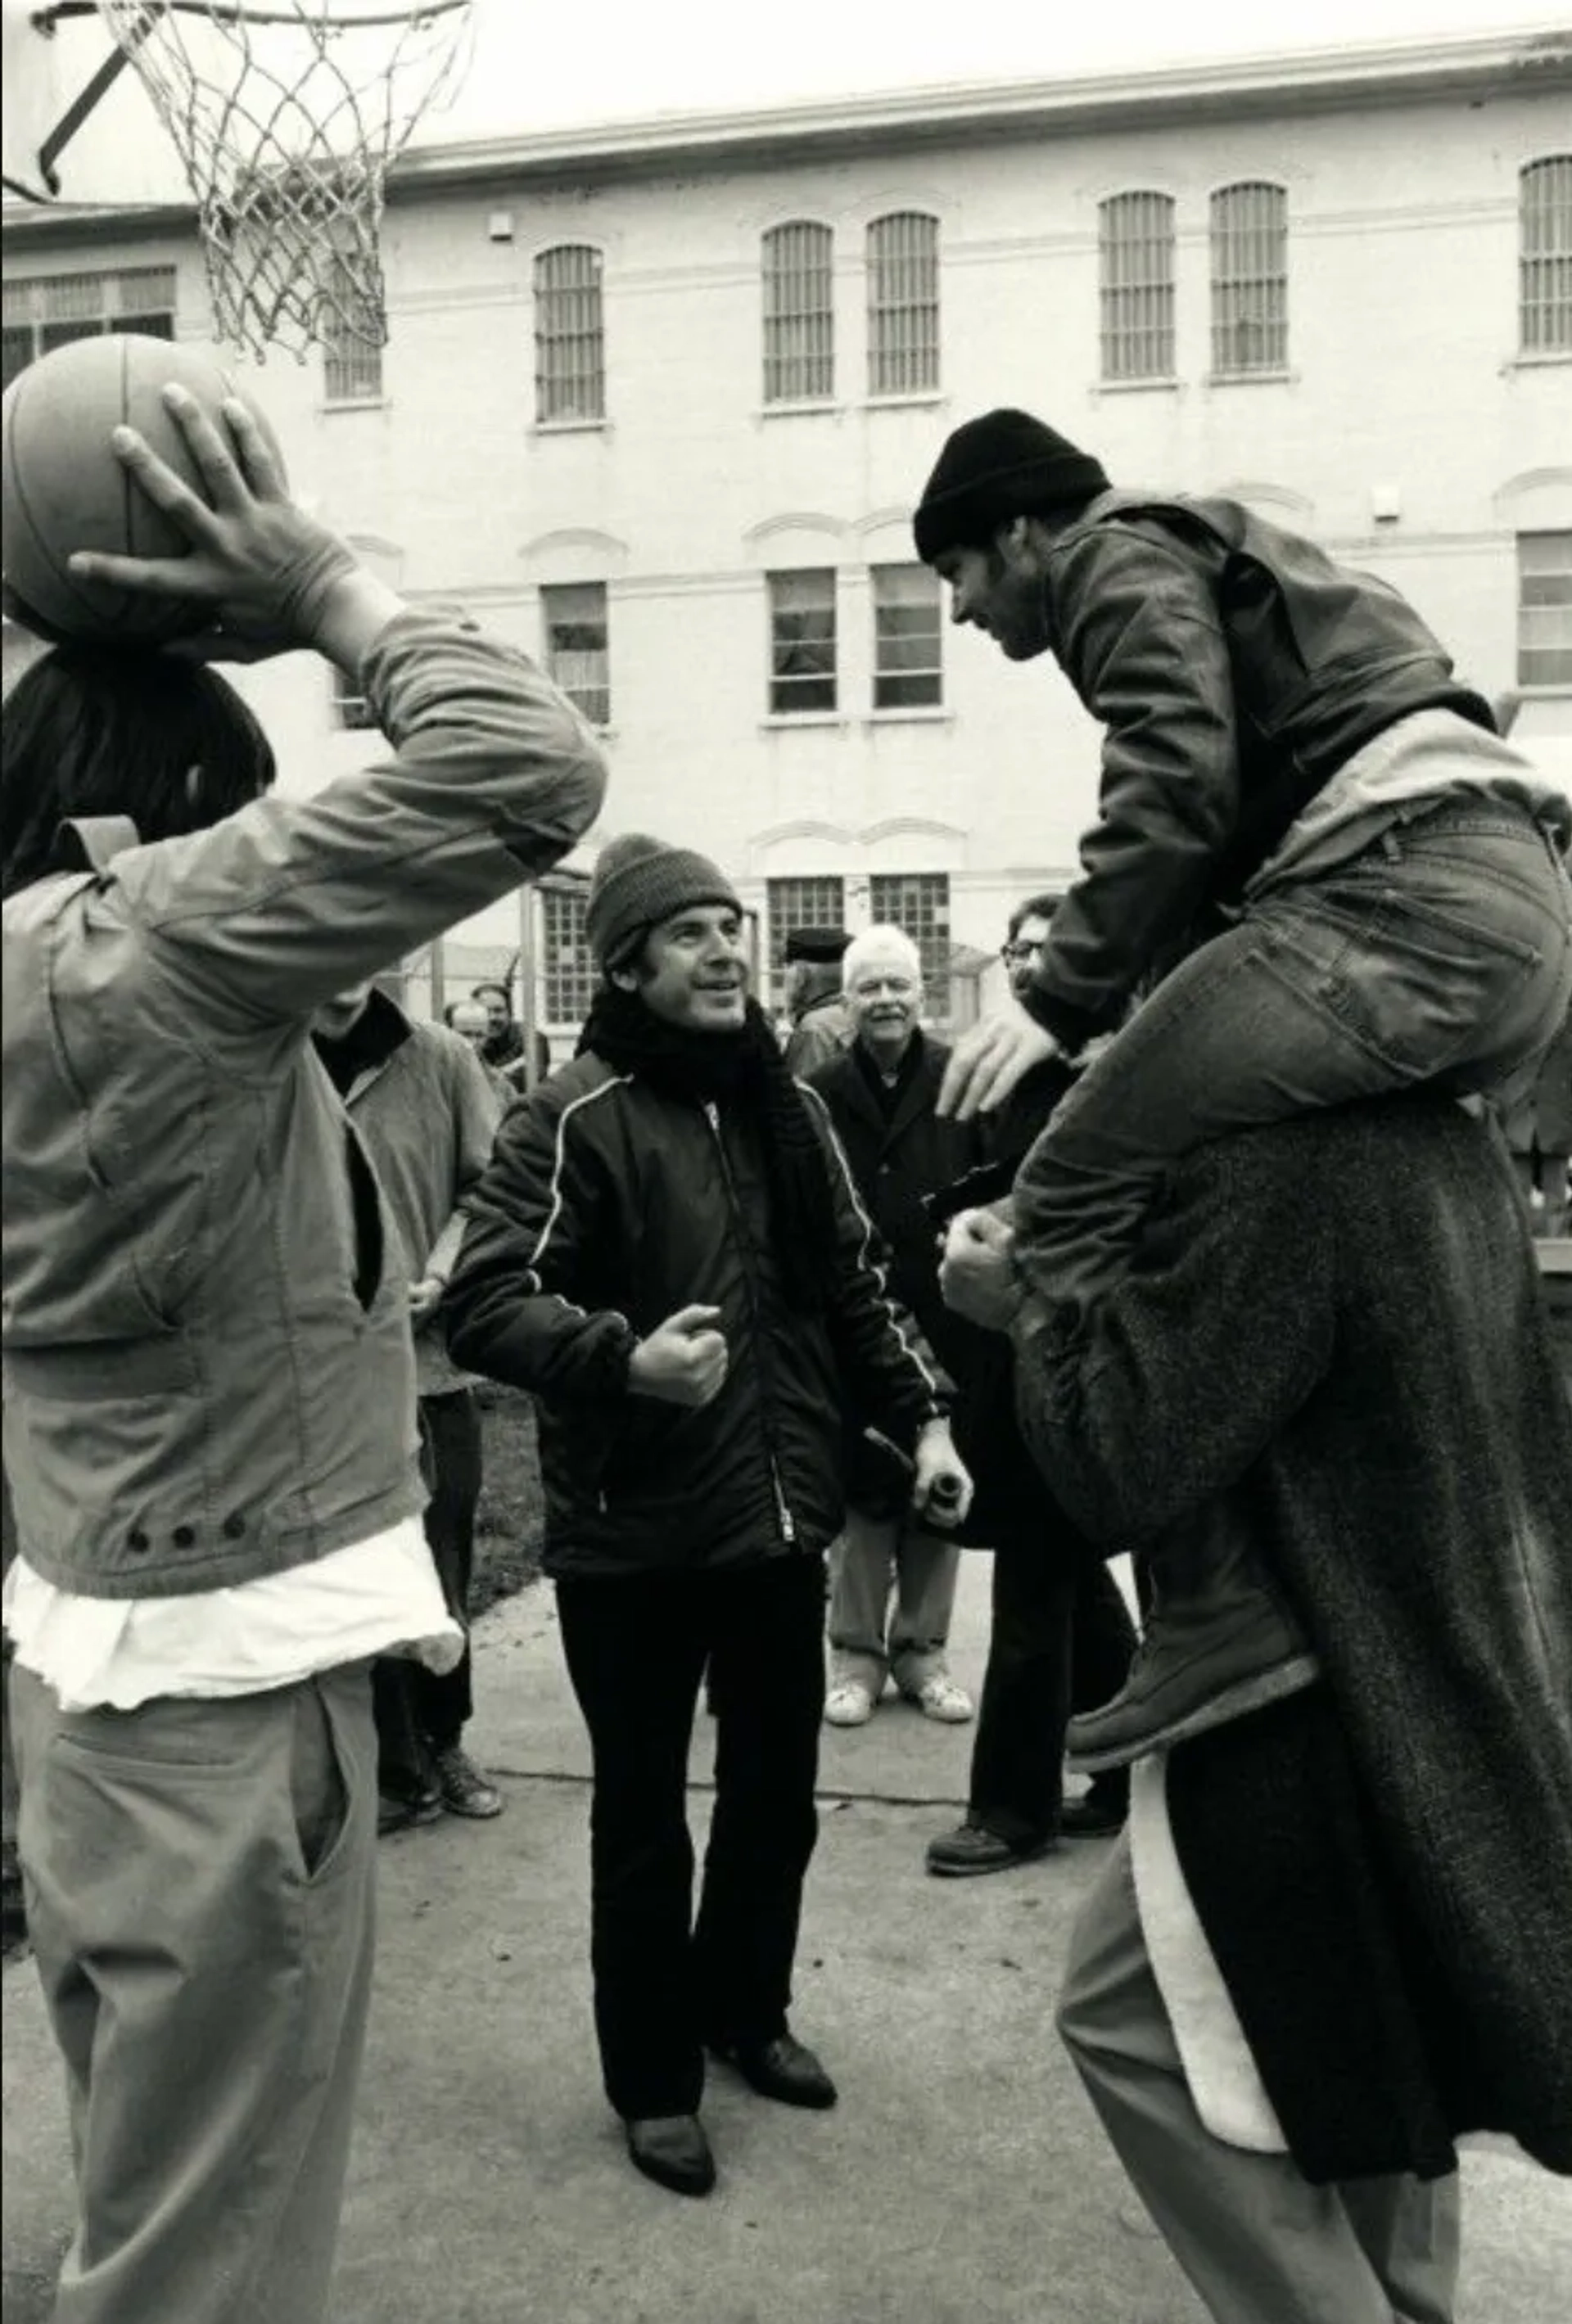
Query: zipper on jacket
[[782, 1508]]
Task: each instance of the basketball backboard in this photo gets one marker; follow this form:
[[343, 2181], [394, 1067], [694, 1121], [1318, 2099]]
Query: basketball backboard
[[78, 126]]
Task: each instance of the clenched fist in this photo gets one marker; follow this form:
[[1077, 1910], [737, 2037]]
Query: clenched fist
[[683, 1360]]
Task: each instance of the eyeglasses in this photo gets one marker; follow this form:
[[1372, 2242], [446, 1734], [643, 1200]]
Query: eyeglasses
[[1012, 954]]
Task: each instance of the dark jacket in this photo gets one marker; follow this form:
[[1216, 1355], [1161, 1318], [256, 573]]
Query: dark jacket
[[607, 1206], [1234, 668], [208, 1374], [819, 1033], [1334, 1346]]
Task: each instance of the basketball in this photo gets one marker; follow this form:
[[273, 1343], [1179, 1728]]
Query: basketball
[[63, 489]]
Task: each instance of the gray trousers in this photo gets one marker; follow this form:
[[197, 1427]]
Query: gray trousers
[[1256, 2240], [199, 1880], [892, 1594]]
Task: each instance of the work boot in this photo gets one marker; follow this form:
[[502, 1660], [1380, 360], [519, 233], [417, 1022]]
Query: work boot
[[1217, 1644]]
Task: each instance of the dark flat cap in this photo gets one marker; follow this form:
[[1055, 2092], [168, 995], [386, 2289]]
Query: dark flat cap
[[816, 943]]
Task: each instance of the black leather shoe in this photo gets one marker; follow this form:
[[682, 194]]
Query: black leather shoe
[[673, 2150], [1094, 1816], [783, 2069], [973, 1849]]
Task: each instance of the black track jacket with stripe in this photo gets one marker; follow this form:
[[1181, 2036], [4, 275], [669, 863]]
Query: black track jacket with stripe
[[607, 1205]]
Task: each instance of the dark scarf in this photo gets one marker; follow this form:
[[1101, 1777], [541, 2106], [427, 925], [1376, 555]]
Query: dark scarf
[[744, 1069]]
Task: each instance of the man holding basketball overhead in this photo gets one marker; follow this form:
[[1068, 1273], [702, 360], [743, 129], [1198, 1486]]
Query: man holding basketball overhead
[[209, 1407]]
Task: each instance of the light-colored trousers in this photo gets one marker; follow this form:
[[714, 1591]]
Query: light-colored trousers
[[1260, 2244], [892, 1594], [199, 1880]]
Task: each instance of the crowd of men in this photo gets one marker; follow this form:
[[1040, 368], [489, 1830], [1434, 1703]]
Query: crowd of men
[[1188, 1250]]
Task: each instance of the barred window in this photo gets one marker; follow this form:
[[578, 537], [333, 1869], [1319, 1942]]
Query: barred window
[[1545, 256], [1249, 281], [569, 334], [919, 903], [819, 902], [907, 634], [577, 646], [566, 961], [801, 642], [798, 313], [1135, 245], [1545, 609], [903, 303], [49, 310], [351, 359]]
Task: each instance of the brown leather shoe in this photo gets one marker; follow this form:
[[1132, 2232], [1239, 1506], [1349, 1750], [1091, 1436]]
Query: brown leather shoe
[[466, 1791], [673, 2150]]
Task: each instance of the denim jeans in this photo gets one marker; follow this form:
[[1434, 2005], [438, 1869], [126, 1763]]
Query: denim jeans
[[1441, 955]]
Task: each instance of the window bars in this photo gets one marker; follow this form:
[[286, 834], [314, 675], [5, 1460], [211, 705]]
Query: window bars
[[903, 304], [1135, 251], [819, 902], [907, 634], [1249, 281], [569, 335], [801, 642], [1545, 609], [566, 958], [1545, 256], [50, 309], [919, 903], [577, 646], [798, 313]]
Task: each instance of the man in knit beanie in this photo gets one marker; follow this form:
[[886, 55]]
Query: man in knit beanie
[[638, 882], [1299, 808], [667, 1253]]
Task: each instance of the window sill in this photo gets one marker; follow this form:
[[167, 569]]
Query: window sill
[[911, 398], [1552, 690], [916, 713], [1251, 378], [355, 403], [818, 407], [1541, 359], [570, 427], [783, 720], [1163, 384]]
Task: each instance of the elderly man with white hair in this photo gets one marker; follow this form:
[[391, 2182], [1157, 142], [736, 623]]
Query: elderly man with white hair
[[892, 1573]]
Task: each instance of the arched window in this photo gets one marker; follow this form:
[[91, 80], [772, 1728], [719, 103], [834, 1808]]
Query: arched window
[[903, 303], [1249, 279], [1135, 238], [569, 334], [798, 313], [1545, 256]]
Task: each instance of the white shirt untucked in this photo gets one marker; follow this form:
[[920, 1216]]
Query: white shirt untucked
[[376, 1596]]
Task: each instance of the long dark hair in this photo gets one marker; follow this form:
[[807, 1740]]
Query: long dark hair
[[115, 730]]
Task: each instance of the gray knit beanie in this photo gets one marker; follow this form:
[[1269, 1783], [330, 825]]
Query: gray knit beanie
[[637, 883], [1003, 464]]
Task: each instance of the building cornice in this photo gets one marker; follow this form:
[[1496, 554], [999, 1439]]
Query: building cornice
[[1471, 68]]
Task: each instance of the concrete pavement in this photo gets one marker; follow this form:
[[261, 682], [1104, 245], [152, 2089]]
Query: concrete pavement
[[962, 2180]]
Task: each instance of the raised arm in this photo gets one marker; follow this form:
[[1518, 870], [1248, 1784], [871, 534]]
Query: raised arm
[[1144, 645], [285, 904]]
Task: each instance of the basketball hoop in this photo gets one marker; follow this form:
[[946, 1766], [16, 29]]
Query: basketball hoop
[[286, 118]]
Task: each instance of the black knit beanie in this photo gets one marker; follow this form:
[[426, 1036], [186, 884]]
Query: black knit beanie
[[1004, 465], [637, 883]]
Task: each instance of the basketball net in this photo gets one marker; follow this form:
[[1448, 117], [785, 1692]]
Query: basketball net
[[286, 116]]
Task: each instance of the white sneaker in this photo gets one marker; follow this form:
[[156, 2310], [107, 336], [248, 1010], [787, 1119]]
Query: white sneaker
[[849, 1703], [940, 1698]]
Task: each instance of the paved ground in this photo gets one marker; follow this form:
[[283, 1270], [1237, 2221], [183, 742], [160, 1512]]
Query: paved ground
[[962, 2180]]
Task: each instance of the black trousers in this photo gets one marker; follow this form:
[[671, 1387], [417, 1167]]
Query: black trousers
[[417, 1711], [1061, 1642], [636, 1647]]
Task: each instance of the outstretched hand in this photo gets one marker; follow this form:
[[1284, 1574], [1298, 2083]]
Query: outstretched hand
[[264, 570], [990, 1059]]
